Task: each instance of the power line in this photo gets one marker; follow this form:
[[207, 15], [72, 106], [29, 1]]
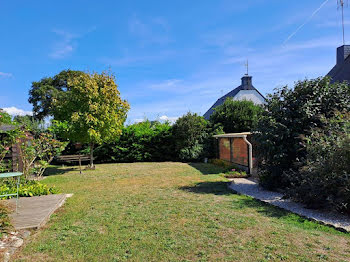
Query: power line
[[308, 20]]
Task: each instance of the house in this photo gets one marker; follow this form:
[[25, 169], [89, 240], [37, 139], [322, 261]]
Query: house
[[341, 71], [246, 91]]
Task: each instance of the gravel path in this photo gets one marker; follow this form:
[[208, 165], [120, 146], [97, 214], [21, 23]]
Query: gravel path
[[250, 188]]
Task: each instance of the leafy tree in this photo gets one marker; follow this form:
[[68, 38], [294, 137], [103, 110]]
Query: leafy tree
[[190, 133], [38, 154], [92, 109], [7, 138], [236, 116], [30, 123], [5, 118], [44, 92], [290, 116]]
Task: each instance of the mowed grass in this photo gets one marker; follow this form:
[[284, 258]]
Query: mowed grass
[[172, 212]]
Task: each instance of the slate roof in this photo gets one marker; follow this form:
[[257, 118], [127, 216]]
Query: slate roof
[[341, 71], [6, 128], [246, 85]]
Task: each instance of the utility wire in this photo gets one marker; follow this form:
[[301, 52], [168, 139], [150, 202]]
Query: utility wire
[[308, 20]]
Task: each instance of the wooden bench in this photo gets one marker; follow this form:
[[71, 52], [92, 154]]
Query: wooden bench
[[74, 158]]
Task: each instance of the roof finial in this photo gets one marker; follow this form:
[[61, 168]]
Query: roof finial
[[341, 5], [247, 66]]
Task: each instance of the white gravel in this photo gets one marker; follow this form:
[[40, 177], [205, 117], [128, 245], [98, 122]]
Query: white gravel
[[250, 188]]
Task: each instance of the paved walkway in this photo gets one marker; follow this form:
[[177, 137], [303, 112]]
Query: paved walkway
[[33, 212], [250, 188]]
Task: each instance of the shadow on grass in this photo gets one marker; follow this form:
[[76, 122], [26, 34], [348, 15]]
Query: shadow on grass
[[263, 208], [207, 169], [216, 188], [57, 170], [221, 188]]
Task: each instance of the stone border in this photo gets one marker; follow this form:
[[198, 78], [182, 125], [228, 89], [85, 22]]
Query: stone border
[[12, 241], [251, 188]]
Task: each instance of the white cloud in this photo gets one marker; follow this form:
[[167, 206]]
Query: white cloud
[[3, 74], [171, 83], [14, 111], [65, 46], [167, 118], [154, 31], [67, 43]]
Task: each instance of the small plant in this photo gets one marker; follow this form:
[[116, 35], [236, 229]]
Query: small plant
[[38, 153], [5, 223], [233, 173], [27, 188]]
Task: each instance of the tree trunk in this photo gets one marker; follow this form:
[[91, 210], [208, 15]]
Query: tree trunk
[[91, 155]]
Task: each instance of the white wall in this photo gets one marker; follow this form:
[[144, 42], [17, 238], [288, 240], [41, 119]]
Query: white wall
[[251, 95]]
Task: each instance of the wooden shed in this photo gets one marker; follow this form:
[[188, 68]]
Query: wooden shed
[[237, 148], [14, 155]]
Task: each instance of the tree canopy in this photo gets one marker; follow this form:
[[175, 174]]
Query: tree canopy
[[236, 116], [190, 134], [92, 109], [44, 92]]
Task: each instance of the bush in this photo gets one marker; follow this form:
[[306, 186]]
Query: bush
[[27, 188], [145, 141], [189, 139], [324, 181], [290, 116], [5, 223], [236, 116], [190, 136]]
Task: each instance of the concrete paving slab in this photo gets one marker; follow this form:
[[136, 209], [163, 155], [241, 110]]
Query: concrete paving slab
[[34, 212], [251, 188]]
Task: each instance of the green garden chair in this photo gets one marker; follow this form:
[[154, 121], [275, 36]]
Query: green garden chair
[[12, 174]]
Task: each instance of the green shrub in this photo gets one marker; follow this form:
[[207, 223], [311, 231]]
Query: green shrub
[[234, 173], [191, 133], [290, 116], [236, 116], [5, 223], [324, 181], [145, 141], [27, 188]]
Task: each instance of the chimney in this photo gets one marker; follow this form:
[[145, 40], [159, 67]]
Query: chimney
[[247, 80], [342, 53]]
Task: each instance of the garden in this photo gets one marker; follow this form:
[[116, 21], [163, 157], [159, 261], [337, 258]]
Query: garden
[[146, 193], [172, 211]]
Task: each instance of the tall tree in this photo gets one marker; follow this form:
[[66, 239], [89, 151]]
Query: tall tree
[[236, 116], [190, 132], [92, 108], [44, 92]]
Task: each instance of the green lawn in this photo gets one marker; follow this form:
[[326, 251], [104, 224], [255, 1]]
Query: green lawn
[[172, 212]]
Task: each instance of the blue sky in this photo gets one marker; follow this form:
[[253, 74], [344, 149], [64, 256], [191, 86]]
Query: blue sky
[[169, 57]]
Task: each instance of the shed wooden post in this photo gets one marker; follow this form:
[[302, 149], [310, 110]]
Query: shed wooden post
[[231, 150]]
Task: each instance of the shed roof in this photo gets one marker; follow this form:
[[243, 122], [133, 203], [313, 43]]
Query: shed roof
[[6, 128], [243, 134]]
